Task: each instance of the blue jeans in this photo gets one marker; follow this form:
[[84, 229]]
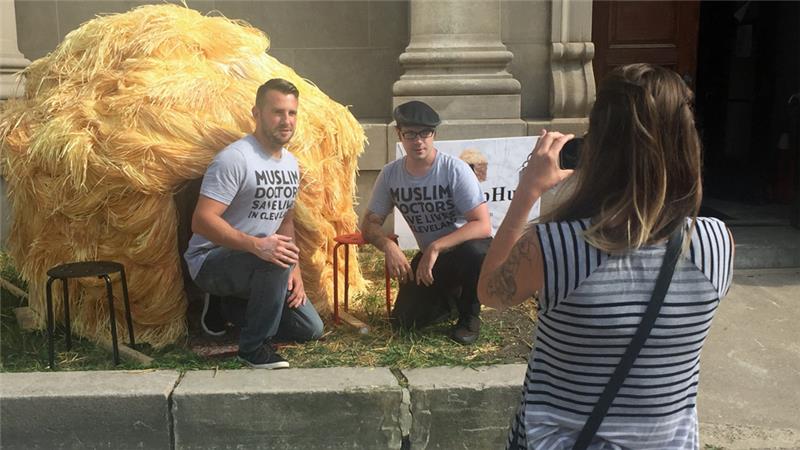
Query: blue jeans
[[231, 273]]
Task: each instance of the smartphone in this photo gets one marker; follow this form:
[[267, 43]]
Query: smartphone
[[570, 154]]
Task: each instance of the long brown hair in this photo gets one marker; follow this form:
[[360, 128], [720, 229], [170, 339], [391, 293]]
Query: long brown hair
[[639, 174]]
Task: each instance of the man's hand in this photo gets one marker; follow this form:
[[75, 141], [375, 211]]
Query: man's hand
[[297, 293], [397, 263], [277, 249], [426, 263]]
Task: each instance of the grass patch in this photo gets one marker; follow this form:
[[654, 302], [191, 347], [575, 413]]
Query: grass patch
[[385, 347], [505, 338]]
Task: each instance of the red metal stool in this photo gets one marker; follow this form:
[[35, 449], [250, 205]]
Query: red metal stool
[[347, 240]]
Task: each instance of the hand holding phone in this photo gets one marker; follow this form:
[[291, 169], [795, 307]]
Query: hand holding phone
[[570, 154], [541, 172]]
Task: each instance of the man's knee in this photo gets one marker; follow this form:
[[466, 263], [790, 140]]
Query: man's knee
[[316, 328], [403, 314], [401, 320], [475, 250], [425, 309], [305, 324], [313, 333], [269, 277], [465, 260], [272, 269]]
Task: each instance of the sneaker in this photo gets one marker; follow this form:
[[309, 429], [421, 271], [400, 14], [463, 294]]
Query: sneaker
[[211, 319], [467, 330], [264, 358]]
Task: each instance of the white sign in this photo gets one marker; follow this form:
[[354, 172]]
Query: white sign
[[496, 162]]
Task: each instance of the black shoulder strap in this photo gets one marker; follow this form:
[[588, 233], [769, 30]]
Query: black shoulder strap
[[651, 313]]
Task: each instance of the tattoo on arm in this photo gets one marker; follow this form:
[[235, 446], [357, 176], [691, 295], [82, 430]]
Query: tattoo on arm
[[372, 227], [503, 281]]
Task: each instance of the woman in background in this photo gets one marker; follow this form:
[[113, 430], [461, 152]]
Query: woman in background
[[594, 261]]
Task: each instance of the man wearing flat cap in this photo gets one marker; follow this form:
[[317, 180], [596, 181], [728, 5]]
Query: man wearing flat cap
[[440, 198]]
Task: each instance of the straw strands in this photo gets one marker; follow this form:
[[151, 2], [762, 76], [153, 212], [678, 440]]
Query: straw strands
[[117, 119]]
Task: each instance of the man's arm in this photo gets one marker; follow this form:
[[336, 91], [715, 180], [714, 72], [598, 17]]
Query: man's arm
[[286, 228], [207, 221], [297, 296], [396, 261], [478, 226]]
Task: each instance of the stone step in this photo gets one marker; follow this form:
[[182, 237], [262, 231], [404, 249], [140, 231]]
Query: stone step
[[765, 247]]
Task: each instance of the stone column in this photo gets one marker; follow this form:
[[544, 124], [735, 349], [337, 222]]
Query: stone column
[[456, 62], [573, 88], [11, 60]]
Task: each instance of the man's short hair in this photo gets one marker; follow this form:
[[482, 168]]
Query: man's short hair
[[416, 113], [275, 84]]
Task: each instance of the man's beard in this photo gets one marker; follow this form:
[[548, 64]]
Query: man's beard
[[276, 137]]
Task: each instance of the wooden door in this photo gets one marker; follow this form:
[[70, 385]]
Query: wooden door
[[656, 32]]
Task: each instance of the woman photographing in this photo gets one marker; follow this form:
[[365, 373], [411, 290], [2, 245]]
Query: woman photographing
[[595, 261]]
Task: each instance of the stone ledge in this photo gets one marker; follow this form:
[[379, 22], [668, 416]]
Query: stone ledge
[[456, 407], [106, 409], [442, 407], [760, 247], [294, 408]]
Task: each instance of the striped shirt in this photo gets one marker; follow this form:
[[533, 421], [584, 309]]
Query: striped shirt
[[590, 306]]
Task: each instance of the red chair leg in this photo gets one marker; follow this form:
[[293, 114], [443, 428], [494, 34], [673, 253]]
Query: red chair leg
[[347, 277], [336, 283], [346, 240], [388, 282]]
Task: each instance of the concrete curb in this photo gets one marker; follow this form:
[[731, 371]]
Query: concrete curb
[[442, 407], [294, 408], [456, 407], [104, 409], [766, 247], [371, 408]]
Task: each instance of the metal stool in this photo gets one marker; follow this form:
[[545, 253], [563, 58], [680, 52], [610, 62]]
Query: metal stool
[[347, 240], [99, 269]]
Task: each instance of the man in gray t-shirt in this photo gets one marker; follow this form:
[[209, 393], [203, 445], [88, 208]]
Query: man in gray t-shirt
[[441, 200], [243, 244]]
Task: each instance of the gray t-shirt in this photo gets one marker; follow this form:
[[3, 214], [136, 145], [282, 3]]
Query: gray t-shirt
[[433, 205], [258, 189]]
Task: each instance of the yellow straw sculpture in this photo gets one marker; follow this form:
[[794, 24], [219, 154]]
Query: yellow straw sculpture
[[117, 119]]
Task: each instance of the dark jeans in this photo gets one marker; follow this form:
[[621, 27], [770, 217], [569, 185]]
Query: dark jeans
[[455, 274], [230, 273]]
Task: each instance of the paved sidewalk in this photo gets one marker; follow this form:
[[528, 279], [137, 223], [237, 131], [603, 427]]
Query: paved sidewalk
[[750, 367]]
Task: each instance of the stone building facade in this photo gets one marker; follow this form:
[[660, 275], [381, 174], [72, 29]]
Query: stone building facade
[[491, 67]]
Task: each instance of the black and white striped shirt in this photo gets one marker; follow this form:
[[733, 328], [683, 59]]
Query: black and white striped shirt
[[590, 306]]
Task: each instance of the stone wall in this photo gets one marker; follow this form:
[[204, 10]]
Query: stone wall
[[351, 50], [348, 48]]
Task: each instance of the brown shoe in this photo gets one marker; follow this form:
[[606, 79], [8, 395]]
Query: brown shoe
[[467, 330]]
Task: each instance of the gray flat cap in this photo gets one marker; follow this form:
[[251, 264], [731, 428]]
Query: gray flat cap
[[416, 113]]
